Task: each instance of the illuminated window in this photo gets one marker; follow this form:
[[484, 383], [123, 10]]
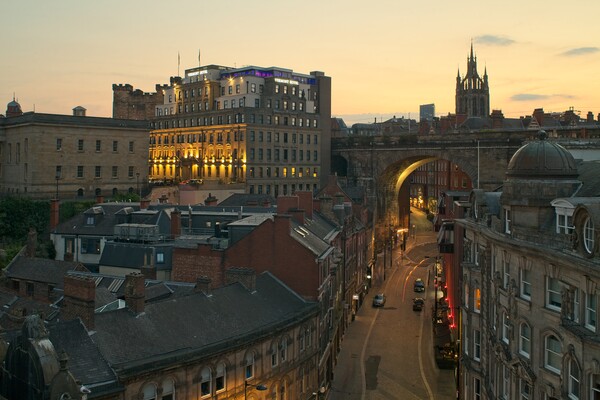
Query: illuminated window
[[477, 300]]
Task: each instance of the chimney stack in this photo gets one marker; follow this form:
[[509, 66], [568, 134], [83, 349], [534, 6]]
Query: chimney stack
[[80, 299], [144, 203], [175, 223], [54, 213], [245, 276], [203, 285], [31, 243], [135, 294], [305, 200]]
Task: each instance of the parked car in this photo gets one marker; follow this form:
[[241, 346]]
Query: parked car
[[419, 285], [418, 304], [379, 300]]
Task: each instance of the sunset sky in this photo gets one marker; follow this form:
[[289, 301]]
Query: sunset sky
[[385, 57]]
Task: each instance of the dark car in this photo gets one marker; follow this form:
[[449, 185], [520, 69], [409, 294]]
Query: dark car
[[379, 300], [419, 285], [418, 304]]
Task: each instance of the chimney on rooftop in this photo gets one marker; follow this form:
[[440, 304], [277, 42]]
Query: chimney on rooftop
[[144, 203], [31, 243], [54, 213], [203, 285], [175, 223], [135, 292], [80, 299], [245, 276]]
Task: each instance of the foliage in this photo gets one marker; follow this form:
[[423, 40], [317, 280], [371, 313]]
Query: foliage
[[71, 208], [18, 214], [126, 197]]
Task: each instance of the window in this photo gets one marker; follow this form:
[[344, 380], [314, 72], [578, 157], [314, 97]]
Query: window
[[594, 386], [283, 350], [506, 221], [591, 301], [477, 301], [58, 172], [505, 273], [80, 145], [505, 327], [160, 257], [564, 222], [168, 389], [525, 340], [574, 388], [552, 354], [115, 171], [525, 284], [576, 305], [524, 390], [149, 392], [130, 171], [476, 389], [98, 145], [29, 288], [97, 171], [274, 355], [205, 382], [249, 370], [505, 394], [90, 246], [477, 345], [58, 144], [588, 235], [553, 294], [220, 378], [115, 146]]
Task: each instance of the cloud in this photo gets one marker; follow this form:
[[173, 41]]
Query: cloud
[[494, 40], [580, 51], [533, 97]]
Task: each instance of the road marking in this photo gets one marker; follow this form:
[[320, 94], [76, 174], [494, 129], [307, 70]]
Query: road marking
[[421, 366]]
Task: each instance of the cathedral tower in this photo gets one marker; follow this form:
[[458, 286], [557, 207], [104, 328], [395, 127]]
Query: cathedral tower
[[472, 92]]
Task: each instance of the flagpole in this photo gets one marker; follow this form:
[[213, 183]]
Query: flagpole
[[178, 62]]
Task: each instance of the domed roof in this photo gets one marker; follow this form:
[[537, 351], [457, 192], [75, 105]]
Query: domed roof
[[13, 109], [542, 159]]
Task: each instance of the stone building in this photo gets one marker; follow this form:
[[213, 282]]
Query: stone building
[[530, 281], [472, 91], [210, 343], [268, 128], [50, 155]]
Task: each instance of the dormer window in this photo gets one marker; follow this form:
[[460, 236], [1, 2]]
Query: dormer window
[[588, 235], [507, 220], [90, 220]]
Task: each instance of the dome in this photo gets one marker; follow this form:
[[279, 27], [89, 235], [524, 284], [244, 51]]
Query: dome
[[13, 109], [541, 159]]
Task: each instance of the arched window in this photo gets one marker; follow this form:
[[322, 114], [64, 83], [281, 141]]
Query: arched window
[[149, 391], [221, 378], [205, 382], [552, 354], [525, 340], [80, 192], [249, 373], [283, 350], [98, 192], [574, 386], [588, 235], [168, 390], [274, 354]]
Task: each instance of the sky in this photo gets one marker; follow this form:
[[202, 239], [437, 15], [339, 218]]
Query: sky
[[385, 57]]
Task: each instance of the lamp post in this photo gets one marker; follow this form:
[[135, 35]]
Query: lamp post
[[257, 387], [57, 178], [320, 391], [137, 183]]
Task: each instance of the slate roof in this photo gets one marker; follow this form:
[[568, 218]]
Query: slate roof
[[41, 270], [590, 177], [112, 214], [63, 119], [308, 239], [132, 255], [248, 199], [197, 325], [321, 227]]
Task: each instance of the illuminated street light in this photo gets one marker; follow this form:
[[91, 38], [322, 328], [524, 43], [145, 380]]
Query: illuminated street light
[[257, 387]]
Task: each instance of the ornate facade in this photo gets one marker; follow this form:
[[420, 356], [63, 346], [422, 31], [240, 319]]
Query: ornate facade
[[530, 276], [472, 91]]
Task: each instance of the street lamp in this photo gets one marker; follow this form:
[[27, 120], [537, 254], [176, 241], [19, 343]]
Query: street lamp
[[137, 182], [321, 391], [257, 387], [57, 178]]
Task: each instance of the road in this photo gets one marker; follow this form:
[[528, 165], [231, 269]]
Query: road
[[387, 352]]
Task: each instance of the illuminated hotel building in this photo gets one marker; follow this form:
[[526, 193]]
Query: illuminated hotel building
[[268, 128]]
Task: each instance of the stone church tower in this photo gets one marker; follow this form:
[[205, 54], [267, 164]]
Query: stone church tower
[[472, 92]]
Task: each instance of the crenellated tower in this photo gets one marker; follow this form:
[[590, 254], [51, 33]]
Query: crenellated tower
[[472, 91]]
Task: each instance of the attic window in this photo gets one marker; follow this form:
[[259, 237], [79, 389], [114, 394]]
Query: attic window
[[507, 221], [160, 258], [90, 220]]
